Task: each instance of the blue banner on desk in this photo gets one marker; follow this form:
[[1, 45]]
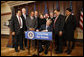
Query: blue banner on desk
[[30, 35], [38, 35]]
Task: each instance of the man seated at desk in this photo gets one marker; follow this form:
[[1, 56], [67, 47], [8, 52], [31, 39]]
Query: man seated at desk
[[45, 28]]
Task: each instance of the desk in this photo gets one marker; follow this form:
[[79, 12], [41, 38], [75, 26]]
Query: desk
[[32, 35]]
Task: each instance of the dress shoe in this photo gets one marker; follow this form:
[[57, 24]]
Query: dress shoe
[[40, 50], [17, 51], [22, 49], [59, 52], [46, 52], [68, 52]]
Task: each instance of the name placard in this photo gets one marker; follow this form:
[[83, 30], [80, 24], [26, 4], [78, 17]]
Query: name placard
[[38, 35]]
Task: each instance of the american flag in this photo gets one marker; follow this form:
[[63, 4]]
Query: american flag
[[45, 10], [26, 10], [71, 7], [34, 7], [81, 20]]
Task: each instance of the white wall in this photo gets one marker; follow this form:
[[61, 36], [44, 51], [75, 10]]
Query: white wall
[[5, 8]]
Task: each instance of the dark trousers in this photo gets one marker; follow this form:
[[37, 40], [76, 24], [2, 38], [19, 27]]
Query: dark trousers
[[70, 45], [59, 42], [19, 40], [35, 43], [25, 40], [46, 43], [13, 41], [29, 42]]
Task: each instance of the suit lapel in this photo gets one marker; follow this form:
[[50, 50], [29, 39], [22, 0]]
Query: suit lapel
[[68, 18], [57, 18], [17, 20], [23, 17], [48, 27]]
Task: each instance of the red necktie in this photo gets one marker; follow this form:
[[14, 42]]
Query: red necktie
[[54, 22], [19, 21]]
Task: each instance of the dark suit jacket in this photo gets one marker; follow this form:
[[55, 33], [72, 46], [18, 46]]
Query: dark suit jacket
[[52, 20], [31, 23], [69, 27], [47, 43], [37, 22], [15, 27], [41, 22], [24, 22], [43, 27], [59, 24]]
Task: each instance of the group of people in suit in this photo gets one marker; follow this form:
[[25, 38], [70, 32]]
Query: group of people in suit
[[61, 26]]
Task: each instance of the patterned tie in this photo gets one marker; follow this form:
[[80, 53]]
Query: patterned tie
[[55, 22], [19, 21], [25, 17], [66, 18]]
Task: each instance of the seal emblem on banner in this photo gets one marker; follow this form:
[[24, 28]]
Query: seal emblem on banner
[[30, 34]]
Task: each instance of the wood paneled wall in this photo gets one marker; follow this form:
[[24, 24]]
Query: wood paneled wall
[[51, 5]]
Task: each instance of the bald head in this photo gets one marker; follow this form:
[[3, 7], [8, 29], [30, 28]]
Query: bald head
[[23, 10], [36, 13]]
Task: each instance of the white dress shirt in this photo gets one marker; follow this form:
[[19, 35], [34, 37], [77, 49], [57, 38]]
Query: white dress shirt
[[32, 17], [36, 17], [66, 18], [19, 21], [24, 15], [47, 27]]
